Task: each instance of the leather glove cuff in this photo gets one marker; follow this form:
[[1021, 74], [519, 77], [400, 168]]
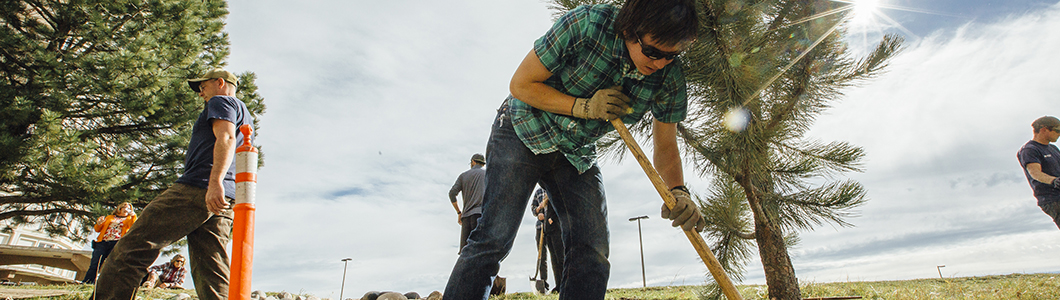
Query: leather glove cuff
[[580, 109], [685, 189]]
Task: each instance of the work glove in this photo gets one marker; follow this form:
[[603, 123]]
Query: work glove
[[605, 105], [685, 213], [1056, 183]]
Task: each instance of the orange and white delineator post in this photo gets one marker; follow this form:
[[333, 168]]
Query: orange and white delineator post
[[243, 221]]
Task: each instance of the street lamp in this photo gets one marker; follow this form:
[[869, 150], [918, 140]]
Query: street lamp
[[643, 278], [345, 262]]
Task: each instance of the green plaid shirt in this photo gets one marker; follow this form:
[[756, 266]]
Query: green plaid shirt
[[585, 54]]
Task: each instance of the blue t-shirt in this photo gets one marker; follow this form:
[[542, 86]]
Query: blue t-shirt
[[1049, 157], [198, 161]]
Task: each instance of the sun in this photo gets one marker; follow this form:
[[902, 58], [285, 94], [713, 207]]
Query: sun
[[864, 10]]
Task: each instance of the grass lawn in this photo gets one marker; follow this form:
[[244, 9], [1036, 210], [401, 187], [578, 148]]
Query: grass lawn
[[1012, 286]]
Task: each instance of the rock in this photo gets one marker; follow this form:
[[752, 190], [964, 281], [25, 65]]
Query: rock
[[271, 298], [373, 295], [391, 296], [257, 295], [435, 295], [181, 296], [285, 296], [311, 297], [412, 295]]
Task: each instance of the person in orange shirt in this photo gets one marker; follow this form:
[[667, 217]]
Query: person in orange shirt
[[111, 228]]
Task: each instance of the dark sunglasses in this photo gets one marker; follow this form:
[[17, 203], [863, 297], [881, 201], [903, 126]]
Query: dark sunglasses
[[654, 53]]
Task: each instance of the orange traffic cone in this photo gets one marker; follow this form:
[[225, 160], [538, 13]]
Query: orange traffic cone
[[243, 222]]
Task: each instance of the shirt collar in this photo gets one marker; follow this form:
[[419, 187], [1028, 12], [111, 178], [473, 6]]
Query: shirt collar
[[629, 70]]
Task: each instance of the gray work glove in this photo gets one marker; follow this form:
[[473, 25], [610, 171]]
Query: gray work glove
[[685, 213], [605, 105], [1056, 183]]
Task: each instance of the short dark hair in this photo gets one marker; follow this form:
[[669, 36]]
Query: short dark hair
[[670, 22], [1046, 122]]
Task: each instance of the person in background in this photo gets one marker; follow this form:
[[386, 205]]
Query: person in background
[[110, 228], [169, 275], [471, 183], [1040, 160], [548, 224]]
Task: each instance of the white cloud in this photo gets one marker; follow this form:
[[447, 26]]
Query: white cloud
[[941, 130]]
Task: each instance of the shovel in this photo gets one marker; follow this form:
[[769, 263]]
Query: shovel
[[708, 258], [540, 286]]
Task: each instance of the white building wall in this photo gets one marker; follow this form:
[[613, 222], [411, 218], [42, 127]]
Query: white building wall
[[30, 235]]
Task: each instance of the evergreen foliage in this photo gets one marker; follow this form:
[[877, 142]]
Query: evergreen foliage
[[778, 63], [94, 105]]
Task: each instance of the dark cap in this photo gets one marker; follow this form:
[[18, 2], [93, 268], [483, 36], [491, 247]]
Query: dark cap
[[213, 74], [1046, 122], [478, 158]]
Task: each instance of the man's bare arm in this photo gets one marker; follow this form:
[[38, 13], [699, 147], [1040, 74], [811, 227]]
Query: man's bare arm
[[667, 157], [528, 85], [223, 148], [1035, 170]]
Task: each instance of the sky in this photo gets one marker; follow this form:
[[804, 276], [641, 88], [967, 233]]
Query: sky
[[375, 107]]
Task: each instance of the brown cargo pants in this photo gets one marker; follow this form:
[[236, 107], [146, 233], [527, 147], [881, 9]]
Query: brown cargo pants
[[178, 212]]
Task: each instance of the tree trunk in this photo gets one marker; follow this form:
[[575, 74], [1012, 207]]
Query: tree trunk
[[780, 275]]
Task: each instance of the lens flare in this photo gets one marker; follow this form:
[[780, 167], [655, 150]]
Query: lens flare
[[736, 119]]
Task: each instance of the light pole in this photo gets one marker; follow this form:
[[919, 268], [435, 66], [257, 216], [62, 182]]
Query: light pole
[[939, 267], [643, 278], [345, 262]]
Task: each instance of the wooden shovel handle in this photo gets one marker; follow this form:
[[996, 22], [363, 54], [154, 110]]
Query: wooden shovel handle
[[708, 258]]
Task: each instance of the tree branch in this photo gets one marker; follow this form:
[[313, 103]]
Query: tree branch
[[4, 200], [12, 214]]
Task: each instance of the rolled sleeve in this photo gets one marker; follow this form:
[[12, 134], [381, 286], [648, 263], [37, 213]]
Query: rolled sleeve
[[554, 47]]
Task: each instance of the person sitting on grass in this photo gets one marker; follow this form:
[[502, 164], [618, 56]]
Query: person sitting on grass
[[169, 275]]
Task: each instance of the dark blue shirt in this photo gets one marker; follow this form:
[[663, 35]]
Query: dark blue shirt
[[198, 161], [1049, 157]]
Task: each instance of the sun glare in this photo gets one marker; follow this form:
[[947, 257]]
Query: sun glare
[[864, 10]]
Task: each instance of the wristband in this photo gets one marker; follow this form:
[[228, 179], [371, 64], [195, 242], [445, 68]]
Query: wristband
[[680, 187]]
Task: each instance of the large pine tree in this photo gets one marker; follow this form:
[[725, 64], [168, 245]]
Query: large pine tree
[[94, 107], [758, 75]]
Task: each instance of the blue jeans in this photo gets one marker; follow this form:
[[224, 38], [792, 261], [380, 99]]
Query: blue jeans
[[100, 251], [578, 200]]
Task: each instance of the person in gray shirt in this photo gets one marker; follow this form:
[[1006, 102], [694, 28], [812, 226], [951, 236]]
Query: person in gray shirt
[[472, 184]]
